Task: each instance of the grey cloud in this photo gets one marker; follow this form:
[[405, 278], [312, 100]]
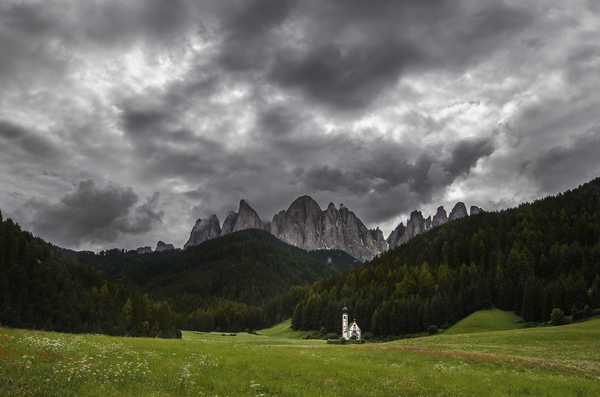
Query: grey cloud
[[564, 167], [374, 180], [346, 79], [346, 100], [93, 214], [109, 23], [248, 32], [466, 153], [255, 17], [279, 121], [29, 142], [326, 178], [346, 53]]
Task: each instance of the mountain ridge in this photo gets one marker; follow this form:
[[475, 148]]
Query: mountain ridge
[[306, 225]]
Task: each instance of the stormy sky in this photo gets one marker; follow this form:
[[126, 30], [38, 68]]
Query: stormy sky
[[121, 122]]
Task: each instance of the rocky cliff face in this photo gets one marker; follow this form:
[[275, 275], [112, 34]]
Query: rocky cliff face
[[161, 246], [204, 229], [397, 236], [417, 225], [440, 217], [475, 210], [245, 218], [144, 250], [459, 211], [300, 225], [305, 225]]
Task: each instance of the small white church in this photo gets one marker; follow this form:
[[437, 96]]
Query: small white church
[[351, 333]]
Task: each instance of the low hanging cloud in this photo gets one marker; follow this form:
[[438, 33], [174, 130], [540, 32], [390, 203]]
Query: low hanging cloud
[[94, 214]]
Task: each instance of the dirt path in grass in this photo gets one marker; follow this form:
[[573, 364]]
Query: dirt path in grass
[[573, 367]]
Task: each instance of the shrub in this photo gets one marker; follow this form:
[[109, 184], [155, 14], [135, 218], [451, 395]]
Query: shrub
[[557, 316], [432, 329]]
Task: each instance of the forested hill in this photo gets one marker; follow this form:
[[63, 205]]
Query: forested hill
[[42, 289], [244, 280], [248, 266], [529, 259], [241, 281]]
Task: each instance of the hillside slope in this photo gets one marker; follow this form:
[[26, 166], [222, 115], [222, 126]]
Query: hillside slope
[[40, 288], [485, 321], [249, 266], [244, 280], [337, 259], [529, 259]]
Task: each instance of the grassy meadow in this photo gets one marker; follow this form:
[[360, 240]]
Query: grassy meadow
[[486, 320], [549, 361]]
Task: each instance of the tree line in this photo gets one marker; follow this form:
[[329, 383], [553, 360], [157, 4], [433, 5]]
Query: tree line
[[40, 288]]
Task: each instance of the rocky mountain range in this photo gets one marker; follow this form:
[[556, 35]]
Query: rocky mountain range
[[161, 246], [305, 225], [416, 224]]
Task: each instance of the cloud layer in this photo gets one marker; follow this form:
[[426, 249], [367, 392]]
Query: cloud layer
[[121, 122]]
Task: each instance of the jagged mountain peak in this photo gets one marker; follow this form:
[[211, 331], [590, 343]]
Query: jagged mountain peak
[[416, 224], [305, 204], [440, 217], [459, 211], [244, 205], [305, 225], [204, 229], [162, 246]]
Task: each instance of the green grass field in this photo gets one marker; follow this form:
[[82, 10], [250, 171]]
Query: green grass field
[[283, 330], [550, 361], [486, 320]]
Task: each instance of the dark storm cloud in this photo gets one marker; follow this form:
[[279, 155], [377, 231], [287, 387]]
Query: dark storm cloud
[[278, 121], [466, 153], [110, 22], [345, 78], [255, 17], [326, 178], [348, 52], [248, 31], [94, 214], [27, 141], [376, 178], [564, 167], [168, 149], [368, 103]]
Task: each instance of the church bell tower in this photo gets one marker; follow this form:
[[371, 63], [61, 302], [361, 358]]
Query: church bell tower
[[345, 331]]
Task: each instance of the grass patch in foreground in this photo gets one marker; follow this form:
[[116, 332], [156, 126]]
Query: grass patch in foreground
[[486, 320], [553, 361]]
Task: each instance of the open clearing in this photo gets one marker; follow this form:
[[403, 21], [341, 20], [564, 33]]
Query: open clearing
[[555, 361]]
